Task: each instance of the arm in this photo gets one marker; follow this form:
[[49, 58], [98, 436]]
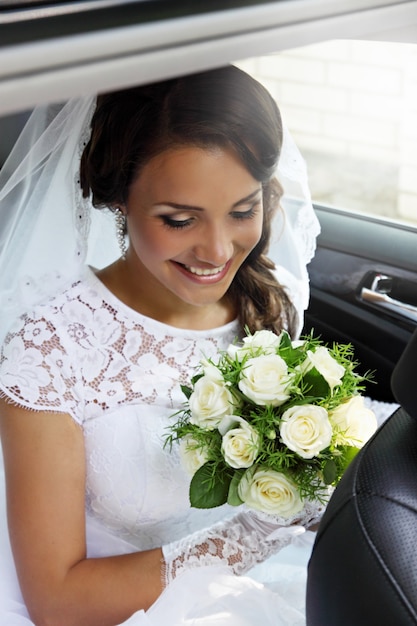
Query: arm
[[44, 460], [45, 473]]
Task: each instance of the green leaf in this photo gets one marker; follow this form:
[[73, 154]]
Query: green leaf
[[291, 355], [316, 384], [329, 472], [233, 497], [209, 486], [285, 341], [196, 377], [349, 454], [187, 391]]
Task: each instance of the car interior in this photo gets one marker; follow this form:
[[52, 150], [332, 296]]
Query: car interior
[[370, 575], [363, 276]]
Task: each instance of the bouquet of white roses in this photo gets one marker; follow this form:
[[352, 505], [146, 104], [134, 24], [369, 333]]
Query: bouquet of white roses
[[272, 423]]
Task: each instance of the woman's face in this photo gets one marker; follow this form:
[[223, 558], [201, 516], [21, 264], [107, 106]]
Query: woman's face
[[193, 217]]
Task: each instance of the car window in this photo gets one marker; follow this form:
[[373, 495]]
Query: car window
[[352, 108]]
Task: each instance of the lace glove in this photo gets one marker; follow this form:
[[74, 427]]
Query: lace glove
[[238, 543]]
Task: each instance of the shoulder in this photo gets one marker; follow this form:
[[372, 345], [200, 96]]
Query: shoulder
[[39, 359], [67, 302]]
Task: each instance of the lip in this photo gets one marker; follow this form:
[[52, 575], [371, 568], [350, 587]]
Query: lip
[[203, 278]]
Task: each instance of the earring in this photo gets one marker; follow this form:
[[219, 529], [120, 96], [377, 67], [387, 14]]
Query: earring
[[121, 230]]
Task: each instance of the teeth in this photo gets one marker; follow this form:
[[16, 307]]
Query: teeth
[[205, 272]]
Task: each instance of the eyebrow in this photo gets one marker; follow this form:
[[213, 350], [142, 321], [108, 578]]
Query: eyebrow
[[188, 207]]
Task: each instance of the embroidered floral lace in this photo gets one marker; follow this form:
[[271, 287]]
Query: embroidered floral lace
[[118, 374], [238, 543]]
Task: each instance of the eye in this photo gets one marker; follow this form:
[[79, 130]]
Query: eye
[[175, 223], [245, 215]]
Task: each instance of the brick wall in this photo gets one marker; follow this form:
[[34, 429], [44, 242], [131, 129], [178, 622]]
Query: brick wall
[[352, 108]]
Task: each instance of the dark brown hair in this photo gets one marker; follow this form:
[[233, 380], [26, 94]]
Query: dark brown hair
[[223, 107]]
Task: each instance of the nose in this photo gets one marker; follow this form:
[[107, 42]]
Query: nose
[[215, 245]]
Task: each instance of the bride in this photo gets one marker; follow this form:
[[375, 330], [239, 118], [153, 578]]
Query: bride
[[101, 531]]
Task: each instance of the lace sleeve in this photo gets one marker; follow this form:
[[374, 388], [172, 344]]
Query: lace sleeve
[[238, 543], [35, 370]]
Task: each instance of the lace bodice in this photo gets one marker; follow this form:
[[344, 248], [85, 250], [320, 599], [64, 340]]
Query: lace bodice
[[118, 374]]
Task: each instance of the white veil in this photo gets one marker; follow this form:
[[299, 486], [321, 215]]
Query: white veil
[[47, 231]]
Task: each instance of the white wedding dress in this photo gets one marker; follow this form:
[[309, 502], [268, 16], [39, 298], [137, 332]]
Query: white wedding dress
[[118, 374]]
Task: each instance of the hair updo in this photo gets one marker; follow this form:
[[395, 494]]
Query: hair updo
[[223, 108]]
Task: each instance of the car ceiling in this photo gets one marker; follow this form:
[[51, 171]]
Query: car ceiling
[[53, 51]]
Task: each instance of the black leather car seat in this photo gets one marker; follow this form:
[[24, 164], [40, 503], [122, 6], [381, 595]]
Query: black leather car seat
[[363, 568]]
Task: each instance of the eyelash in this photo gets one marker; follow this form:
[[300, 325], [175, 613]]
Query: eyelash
[[246, 215], [238, 215], [176, 224]]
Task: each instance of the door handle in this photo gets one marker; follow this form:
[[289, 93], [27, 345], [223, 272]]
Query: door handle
[[377, 295]]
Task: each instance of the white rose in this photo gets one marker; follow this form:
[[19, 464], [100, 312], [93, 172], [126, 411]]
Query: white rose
[[297, 343], [212, 372], [261, 342], [265, 380], [192, 454], [240, 443], [264, 341], [354, 422], [209, 402], [270, 492], [326, 365], [306, 430]]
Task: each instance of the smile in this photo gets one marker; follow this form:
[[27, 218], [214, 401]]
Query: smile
[[199, 271]]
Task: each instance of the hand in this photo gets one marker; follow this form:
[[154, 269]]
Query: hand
[[238, 543]]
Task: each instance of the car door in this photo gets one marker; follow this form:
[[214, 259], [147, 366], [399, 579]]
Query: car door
[[364, 289]]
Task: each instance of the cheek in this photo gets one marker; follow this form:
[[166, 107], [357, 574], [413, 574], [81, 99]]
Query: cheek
[[253, 234], [149, 241]]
